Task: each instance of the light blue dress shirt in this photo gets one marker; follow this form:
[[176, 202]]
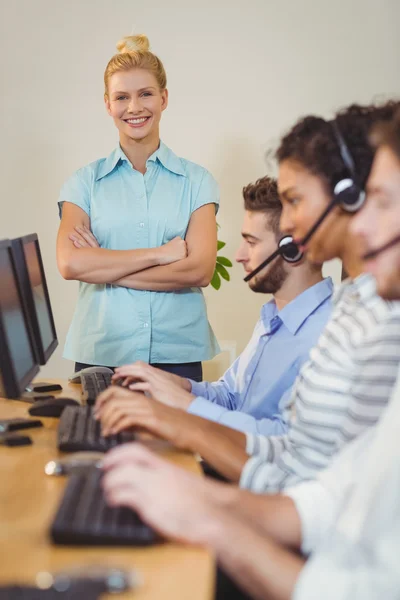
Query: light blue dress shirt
[[254, 393], [114, 325]]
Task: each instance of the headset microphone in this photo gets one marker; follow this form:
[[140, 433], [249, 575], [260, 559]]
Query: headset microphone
[[347, 193], [377, 251], [287, 249]]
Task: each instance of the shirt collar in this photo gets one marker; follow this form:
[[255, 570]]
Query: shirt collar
[[108, 165], [168, 159], [362, 287], [298, 310], [163, 154]]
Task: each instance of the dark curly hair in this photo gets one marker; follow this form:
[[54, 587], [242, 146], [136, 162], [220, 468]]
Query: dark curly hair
[[388, 134], [262, 196], [312, 142]]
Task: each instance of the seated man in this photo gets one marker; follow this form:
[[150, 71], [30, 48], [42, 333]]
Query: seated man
[[347, 520], [337, 395]]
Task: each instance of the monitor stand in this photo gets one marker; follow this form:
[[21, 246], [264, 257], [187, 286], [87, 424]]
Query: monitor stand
[[39, 390], [32, 397]]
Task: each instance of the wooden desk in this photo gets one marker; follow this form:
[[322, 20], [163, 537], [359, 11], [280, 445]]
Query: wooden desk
[[29, 499]]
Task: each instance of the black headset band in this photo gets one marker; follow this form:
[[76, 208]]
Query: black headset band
[[319, 221], [345, 153], [266, 262]]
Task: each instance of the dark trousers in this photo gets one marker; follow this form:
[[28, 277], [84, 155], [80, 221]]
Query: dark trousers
[[192, 370], [226, 589]]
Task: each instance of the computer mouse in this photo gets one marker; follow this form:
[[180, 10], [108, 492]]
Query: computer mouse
[[51, 408], [76, 377]]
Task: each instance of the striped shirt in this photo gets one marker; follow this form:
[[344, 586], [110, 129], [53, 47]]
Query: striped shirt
[[339, 393]]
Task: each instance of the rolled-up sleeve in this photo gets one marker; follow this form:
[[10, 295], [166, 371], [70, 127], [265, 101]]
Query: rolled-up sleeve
[[77, 191], [208, 192]]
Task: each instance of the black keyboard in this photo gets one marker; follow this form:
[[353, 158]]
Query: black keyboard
[[84, 518], [93, 384], [79, 431], [82, 590]]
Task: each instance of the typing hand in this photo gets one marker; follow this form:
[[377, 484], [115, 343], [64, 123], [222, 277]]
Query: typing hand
[[178, 504], [119, 409], [165, 387], [83, 238]]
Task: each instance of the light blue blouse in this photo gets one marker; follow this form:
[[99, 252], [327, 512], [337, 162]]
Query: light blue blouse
[[114, 325]]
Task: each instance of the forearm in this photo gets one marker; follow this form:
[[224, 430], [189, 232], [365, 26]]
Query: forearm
[[183, 274], [100, 265], [260, 566], [214, 409], [219, 393], [221, 447], [275, 515]]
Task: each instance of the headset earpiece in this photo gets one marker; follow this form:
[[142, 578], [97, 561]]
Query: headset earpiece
[[289, 251], [348, 195], [347, 192]]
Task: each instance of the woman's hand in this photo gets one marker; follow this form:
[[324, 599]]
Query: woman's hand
[[173, 251], [169, 253], [119, 409], [83, 238]]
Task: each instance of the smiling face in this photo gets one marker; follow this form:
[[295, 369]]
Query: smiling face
[[304, 198], [378, 222], [135, 103]]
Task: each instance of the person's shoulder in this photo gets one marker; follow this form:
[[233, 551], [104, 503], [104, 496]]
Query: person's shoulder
[[192, 170], [94, 169]]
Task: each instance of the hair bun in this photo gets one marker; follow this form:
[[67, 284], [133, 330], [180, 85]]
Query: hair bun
[[133, 43]]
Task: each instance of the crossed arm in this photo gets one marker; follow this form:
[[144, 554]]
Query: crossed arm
[[176, 265]]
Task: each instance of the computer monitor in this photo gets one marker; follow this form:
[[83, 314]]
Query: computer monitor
[[18, 364], [35, 295]]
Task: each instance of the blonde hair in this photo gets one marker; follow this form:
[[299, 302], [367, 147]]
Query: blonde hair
[[134, 53]]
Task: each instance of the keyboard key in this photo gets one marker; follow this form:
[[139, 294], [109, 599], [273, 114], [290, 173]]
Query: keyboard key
[[79, 431], [93, 384], [84, 518]]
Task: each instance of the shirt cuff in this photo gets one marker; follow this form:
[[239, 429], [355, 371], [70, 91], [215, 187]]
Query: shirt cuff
[[197, 387], [206, 409], [258, 445], [246, 477], [316, 511], [250, 444]]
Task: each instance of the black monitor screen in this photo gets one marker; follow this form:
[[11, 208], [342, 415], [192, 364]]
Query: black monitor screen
[[16, 342], [44, 317]]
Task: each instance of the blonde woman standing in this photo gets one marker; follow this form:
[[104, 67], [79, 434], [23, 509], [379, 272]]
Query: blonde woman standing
[[138, 231]]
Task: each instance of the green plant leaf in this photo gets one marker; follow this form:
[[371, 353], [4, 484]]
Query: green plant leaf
[[223, 272], [216, 280], [220, 245], [222, 260]]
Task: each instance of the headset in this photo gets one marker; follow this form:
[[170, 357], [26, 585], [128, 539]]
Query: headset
[[347, 193], [377, 251], [287, 249]]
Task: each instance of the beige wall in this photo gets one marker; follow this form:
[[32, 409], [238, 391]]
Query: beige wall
[[239, 74]]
